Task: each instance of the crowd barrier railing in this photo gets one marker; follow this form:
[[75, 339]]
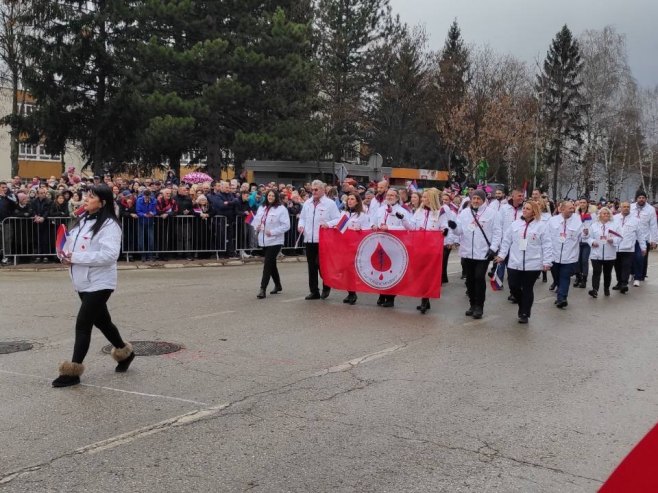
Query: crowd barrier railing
[[149, 238]]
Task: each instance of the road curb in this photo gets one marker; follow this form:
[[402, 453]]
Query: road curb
[[158, 265]]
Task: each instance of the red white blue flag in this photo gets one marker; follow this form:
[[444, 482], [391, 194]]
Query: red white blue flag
[[60, 240], [343, 223]]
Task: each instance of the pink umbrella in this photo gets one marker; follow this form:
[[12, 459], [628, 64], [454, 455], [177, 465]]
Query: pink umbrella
[[197, 177]]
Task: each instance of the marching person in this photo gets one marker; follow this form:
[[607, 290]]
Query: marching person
[[449, 242], [603, 240], [391, 216], [358, 220], [431, 216], [479, 230], [271, 222], [91, 251], [565, 231], [509, 213], [316, 211], [628, 225], [582, 268], [530, 252], [378, 200], [647, 217]]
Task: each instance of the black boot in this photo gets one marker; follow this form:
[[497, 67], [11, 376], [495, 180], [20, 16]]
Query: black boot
[[424, 305], [381, 300], [593, 293], [389, 302], [69, 374], [477, 312], [470, 311], [325, 292], [123, 356], [276, 290], [261, 294]]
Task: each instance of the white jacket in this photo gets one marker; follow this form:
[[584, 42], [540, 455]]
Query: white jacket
[[94, 260], [435, 221], [538, 250], [509, 214], [631, 231], [647, 217], [313, 215], [565, 236], [354, 221], [374, 207], [387, 215], [599, 233], [273, 220], [472, 243]]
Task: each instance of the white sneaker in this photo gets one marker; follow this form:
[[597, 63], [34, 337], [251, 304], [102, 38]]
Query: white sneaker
[[636, 284]]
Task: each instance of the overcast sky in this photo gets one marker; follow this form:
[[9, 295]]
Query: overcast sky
[[526, 28]]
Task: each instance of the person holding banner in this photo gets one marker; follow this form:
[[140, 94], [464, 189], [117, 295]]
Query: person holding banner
[[391, 216], [603, 240], [91, 251], [317, 210], [450, 240], [479, 230], [432, 216], [354, 218], [529, 251], [271, 223]]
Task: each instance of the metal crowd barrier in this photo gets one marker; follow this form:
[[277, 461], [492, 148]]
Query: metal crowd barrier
[[22, 237], [184, 235]]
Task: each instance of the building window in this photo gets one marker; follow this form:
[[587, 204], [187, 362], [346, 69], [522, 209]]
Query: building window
[[36, 152]]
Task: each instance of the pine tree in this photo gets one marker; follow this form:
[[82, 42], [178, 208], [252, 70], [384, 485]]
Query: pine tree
[[398, 123], [79, 69], [350, 35], [451, 83], [559, 86]]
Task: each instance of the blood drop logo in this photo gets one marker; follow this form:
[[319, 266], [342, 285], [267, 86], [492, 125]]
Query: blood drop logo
[[381, 260]]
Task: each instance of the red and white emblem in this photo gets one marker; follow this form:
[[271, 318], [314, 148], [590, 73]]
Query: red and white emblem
[[381, 260]]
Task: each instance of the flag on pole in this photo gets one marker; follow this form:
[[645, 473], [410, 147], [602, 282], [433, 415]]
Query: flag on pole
[[406, 263], [496, 281], [60, 240], [343, 223], [249, 218], [586, 217]]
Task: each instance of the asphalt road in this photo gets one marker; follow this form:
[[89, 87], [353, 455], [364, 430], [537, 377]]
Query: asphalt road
[[284, 394]]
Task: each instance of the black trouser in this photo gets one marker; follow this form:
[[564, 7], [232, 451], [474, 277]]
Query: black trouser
[[93, 311], [623, 267], [313, 261], [605, 266], [521, 285], [269, 267], [444, 272], [475, 270]]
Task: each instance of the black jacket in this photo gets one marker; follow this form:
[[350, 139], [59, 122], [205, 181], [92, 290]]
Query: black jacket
[[7, 205], [224, 204], [184, 204], [41, 207]]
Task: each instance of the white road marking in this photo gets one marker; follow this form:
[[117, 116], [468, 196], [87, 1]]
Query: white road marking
[[159, 396], [133, 435], [208, 315], [348, 365], [122, 439]]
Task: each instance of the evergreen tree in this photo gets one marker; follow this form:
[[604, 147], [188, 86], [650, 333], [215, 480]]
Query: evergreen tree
[[79, 69], [451, 83], [227, 79], [350, 35], [559, 85], [398, 125]]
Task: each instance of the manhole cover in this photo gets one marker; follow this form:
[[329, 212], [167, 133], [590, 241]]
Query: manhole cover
[[150, 348], [14, 347]]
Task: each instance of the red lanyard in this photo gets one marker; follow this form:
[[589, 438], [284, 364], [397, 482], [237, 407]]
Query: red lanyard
[[427, 216], [264, 220], [516, 210], [525, 233]]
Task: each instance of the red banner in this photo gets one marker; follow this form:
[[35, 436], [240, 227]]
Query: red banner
[[638, 471], [406, 263]]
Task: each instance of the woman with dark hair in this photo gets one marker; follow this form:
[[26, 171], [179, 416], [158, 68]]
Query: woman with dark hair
[[91, 251], [357, 220], [271, 223]]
